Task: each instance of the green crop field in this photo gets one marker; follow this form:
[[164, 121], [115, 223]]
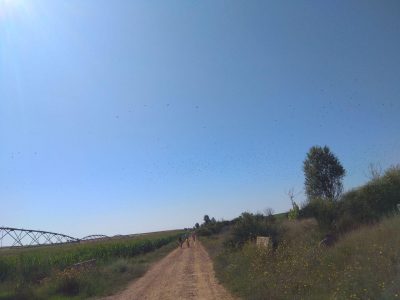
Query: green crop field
[[33, 268]]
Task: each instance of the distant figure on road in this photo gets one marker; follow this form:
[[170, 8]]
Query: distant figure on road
[[180, 241], [187, 241], [194, 237]]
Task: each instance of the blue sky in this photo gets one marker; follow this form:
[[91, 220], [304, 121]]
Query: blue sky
[[134, 116]]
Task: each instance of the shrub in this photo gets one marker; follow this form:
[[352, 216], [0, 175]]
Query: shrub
[[204, 231], [212, 227], [325, 212], [249, 226], [370, 202], [364, 205], [120, 266], [294, 212]]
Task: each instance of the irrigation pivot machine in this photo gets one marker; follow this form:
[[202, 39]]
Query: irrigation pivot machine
[[17, 237]]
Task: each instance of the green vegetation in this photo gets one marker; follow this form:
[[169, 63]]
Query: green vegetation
[[323, 174], [363, 263], [210, 226], [294, 213], [364, 205], [44, 272], [248, 226]]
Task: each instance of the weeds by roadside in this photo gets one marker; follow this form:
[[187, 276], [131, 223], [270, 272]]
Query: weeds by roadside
[[364, 264]]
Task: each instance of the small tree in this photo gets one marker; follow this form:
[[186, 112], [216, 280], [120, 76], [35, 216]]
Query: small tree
[[323, 174], [295, 211], [206, 219], [197, 225]]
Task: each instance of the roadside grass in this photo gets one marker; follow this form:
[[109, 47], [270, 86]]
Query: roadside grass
[[38, 273], [364, 264]]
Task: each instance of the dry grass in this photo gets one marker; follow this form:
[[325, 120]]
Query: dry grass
[[364, 264]]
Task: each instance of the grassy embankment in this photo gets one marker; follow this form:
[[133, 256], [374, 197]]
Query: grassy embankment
[[364, 263], [44, 273]]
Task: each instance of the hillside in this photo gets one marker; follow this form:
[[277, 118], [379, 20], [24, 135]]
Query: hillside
[[362, 260], [364, 264]]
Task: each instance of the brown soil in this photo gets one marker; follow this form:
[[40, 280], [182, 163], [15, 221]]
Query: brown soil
[[185, 273]]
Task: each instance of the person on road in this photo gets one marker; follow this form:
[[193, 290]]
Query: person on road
[[180, 241], [194, 237], [187, 241]]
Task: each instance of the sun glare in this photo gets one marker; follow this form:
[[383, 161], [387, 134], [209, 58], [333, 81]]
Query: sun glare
[[8, 4], [10, 8]]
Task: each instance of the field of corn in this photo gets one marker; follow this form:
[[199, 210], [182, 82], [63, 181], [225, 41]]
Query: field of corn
[[34, 266]]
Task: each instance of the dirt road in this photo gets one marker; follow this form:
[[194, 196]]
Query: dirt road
[[184, 274]]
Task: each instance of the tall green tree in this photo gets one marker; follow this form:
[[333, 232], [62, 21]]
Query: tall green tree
[[323, 174]]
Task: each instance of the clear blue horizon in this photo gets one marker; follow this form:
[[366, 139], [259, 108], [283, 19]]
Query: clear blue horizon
[[135, 116]]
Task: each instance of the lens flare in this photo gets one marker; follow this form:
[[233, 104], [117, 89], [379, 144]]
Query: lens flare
[[13, 8]]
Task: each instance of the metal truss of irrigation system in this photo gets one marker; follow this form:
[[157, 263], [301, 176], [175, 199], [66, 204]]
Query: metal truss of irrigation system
[[28, 237]]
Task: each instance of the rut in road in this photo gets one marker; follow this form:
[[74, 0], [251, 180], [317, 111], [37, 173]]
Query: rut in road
[[183, 274]]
